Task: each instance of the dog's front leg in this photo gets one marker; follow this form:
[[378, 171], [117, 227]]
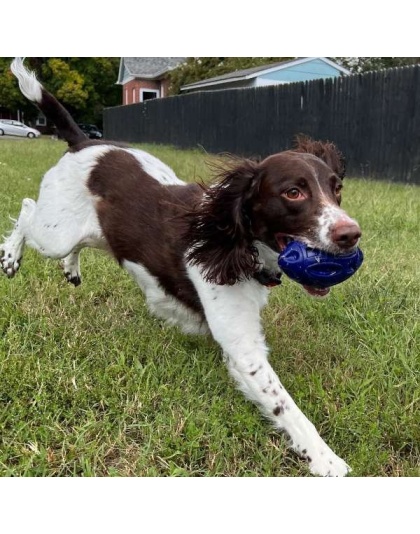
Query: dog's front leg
[[233, 315]]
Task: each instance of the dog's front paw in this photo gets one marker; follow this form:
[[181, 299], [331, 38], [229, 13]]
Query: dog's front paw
[[327, 464]]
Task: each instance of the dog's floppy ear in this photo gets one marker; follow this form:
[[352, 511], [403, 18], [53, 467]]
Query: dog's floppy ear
[[220, 236], [324, 150]]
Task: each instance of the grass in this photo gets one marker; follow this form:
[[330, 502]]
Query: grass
[[92, 385]]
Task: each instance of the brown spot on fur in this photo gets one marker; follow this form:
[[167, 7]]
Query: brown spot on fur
[[253, 373], [143, 222], [278, 410], [287, 436]]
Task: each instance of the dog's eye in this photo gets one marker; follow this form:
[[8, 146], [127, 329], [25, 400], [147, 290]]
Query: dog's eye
[[293, 194]]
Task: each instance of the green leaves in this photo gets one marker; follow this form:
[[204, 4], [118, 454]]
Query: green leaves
[[10, 95], [365, 64], [84, 85], [67, 84]]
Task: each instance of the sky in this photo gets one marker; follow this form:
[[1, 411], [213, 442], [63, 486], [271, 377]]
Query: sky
[[220, 27]]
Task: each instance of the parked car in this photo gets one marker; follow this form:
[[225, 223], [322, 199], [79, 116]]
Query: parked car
[[11, 127], [91, 131]]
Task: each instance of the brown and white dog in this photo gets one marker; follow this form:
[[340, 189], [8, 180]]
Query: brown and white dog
[[204, 256]]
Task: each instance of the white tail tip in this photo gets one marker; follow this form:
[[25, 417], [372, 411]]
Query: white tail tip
[[28, 83]]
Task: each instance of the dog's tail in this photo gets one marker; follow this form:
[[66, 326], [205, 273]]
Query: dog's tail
[[47, 103]]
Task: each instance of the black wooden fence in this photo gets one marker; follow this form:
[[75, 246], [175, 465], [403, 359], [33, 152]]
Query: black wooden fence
[[373, 118]]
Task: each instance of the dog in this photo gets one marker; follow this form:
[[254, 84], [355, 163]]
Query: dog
[[205, 256]]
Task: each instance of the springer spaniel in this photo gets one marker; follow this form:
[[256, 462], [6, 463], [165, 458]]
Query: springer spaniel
[[204, 256]]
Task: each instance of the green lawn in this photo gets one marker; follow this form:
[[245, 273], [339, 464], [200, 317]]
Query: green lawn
[[91, 384]]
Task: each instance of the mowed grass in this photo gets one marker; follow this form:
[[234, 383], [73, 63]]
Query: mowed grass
[[92, 385]]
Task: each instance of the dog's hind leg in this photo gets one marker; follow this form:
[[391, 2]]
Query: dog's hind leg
[[71, 266], [41, 230], [71, 263], [11, 250]]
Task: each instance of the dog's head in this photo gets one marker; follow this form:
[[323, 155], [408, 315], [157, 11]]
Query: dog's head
[[295, 194]]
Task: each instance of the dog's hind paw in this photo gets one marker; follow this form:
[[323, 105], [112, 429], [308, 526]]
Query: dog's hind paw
[[75, 280], [70, 267], [9, 264]]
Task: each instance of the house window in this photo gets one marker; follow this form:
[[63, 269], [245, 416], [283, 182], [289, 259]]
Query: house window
[[148, 94], [134, 96], [126, 96], [41, 121]]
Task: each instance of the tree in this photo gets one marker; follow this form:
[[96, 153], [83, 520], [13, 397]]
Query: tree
[[365, 64], [201, 68], [66, 84], [100, 76], [83, 85], [10, 96]]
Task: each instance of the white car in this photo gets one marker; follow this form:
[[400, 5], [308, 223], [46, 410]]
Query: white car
[[11, 127]]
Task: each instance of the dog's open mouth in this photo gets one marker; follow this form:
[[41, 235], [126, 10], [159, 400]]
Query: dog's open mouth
[[317, 291], [282, 241]]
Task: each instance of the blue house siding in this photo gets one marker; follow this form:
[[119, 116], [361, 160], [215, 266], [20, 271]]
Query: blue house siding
[[310, 70], [298, 70]]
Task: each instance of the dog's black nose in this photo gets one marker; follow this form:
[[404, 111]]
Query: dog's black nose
[[346, 234]]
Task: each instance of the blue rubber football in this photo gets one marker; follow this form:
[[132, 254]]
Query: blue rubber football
[[312, 267]]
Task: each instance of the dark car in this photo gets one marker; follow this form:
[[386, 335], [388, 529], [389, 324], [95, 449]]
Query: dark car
[[91, 131]]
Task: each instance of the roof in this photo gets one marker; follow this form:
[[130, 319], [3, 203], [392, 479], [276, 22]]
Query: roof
[[253, 72], [149, 68]]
